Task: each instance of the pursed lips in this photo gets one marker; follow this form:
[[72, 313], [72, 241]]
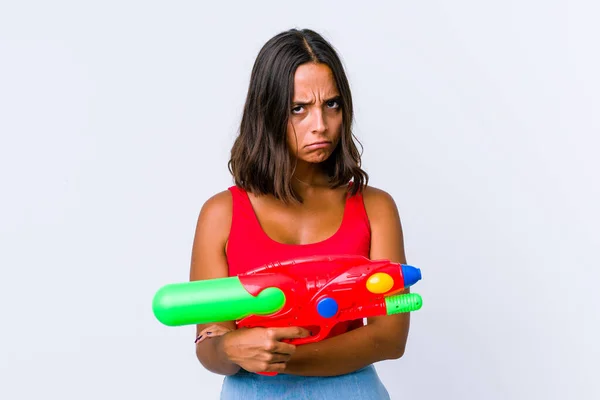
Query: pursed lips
[[320, 143]]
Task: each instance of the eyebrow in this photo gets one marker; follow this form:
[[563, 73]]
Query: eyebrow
[[337, 97]]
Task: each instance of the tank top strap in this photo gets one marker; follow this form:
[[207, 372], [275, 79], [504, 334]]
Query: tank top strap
[[243, 217], [238, 195], [356, 212]]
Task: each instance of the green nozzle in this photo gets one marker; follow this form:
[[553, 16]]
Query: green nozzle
[[402, 303], [212, 301]]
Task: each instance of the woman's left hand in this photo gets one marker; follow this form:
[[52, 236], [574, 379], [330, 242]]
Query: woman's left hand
[[211, 331]]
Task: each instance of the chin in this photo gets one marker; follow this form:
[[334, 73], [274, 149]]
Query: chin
[[316, 158]]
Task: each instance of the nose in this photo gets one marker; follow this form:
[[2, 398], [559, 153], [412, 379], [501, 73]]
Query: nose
[[318, 122]]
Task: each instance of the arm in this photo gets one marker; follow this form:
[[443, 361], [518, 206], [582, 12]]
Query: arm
[[209, 261], [384, 337], [227, 349]]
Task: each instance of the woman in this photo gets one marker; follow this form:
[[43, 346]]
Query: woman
[[299, 191]]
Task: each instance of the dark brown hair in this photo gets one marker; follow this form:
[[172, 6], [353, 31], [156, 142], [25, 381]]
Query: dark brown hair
[[260, 159]]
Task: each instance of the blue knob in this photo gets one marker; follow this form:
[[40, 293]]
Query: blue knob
[[327, 307], [411, 275]]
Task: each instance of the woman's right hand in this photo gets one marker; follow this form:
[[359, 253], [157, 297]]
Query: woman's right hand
[[261, 349]]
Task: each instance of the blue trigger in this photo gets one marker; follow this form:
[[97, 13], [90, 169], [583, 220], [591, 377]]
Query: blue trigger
[[327, 307]]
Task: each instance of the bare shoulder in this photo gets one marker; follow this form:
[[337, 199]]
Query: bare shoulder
[[218, 204], [215, 214], [379, 204], [387, 240], [212, 233]]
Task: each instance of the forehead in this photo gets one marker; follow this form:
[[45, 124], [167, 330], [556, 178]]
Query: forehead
[[314, 78]]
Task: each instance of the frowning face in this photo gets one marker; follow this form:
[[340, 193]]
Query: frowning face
[[315, 123]]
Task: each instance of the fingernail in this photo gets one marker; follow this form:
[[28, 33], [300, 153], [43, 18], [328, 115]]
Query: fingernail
[[208, 333]]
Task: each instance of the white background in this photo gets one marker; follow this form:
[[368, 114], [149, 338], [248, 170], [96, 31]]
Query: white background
[[479, 117]]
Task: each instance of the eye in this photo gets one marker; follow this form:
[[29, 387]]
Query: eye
[[333, 104], [297, 109]]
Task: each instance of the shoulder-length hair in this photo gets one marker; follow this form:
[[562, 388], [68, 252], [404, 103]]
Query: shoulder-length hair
[[260, 161]]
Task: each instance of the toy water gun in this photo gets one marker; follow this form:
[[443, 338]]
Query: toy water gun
[[313, 292]]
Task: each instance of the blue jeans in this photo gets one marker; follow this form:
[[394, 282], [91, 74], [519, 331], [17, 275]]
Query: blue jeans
[[363, 384]]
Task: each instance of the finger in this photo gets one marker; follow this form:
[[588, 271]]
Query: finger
[[275, 358], [275, 367], [283, 348], [291, 332], [211, 331], [217, 330], [202, 335]]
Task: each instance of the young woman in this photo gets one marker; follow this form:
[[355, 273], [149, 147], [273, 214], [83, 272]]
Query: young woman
[[299, 191]]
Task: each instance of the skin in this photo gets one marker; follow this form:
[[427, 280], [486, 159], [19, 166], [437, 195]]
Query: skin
[[316, 116], [223, 349]]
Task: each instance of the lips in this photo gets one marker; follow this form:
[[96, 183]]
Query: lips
[[322, 143]]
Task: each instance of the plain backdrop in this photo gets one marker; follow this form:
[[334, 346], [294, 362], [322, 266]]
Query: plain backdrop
[[479, 117]]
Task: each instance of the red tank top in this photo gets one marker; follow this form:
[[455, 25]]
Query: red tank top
[[249, 247]]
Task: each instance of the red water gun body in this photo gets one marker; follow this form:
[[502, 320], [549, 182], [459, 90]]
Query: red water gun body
[[321, 291]]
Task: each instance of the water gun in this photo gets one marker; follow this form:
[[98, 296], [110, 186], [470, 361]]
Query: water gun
[[314, 292]]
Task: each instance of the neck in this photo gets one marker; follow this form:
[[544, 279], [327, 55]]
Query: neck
[[309, 175]]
